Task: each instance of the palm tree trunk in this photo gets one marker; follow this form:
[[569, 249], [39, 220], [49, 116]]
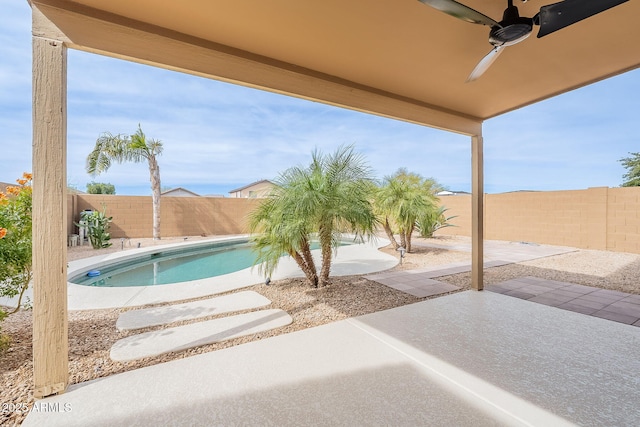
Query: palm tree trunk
[[408, 238], [387, 229], [403, 239], [310, 266], [154, 172], [308, 270], [325, 245]]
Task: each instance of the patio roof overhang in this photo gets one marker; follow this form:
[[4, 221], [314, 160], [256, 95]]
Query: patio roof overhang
[[398, 59]]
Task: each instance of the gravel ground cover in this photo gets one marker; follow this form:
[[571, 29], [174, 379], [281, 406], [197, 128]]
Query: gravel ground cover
[[91, 333]]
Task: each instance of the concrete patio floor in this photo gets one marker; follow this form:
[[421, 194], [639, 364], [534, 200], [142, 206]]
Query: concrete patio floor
[[466, 359]]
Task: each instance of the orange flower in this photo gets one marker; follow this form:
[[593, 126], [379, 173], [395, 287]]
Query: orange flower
[[27, 176], [21, 181], [3, 232], [11, 189]]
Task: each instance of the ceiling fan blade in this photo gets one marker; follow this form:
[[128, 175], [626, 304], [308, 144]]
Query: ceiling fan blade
[[460, 11], [556, 16], [485, 63]]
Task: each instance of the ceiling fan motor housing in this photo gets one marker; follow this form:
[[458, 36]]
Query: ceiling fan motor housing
[[512, 29]]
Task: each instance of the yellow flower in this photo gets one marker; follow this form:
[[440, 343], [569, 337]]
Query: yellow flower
[[3, 232]]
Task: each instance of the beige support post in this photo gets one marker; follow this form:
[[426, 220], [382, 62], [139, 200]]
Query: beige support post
[[50, 329], [477, 213]]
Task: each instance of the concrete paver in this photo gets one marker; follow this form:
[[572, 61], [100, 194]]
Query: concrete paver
[[143, 318], [196, 334], [604, 303]]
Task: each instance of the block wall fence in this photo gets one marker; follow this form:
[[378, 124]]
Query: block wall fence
[[597, 218], [179, 216]]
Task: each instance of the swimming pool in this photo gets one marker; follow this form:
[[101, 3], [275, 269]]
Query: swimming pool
[[172, 265], [356, 258]]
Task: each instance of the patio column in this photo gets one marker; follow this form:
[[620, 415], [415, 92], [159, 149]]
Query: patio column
[[477, 213], [50, 329]]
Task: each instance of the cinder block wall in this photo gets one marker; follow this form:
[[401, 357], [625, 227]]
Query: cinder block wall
[[623, 220], [597, 218], [179, 216]]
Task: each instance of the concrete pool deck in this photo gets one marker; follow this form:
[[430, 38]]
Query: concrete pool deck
[[466, 359], [362, 258]]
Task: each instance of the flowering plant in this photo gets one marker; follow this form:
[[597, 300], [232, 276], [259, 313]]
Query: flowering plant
[[15, 239]]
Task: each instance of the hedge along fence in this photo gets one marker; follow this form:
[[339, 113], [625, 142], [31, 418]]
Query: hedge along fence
[[179, 216], [597, 218]]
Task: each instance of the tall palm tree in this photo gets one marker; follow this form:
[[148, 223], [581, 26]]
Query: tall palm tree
[[401, 200], [135, 148], [330, 197]]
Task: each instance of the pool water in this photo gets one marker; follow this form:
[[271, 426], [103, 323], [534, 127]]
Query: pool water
[[173, 266]]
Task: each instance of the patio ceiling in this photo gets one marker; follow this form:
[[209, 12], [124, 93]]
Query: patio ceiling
[[396, 58]]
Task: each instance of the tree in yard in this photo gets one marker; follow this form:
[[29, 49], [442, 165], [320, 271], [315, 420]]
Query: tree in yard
[[401, 200], [632, 165], [100, 188], [320, 202], [15, 240], [135, 148]]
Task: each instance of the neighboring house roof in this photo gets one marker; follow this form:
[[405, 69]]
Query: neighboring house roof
[[179, 192], [4, 185], [262, 181], [451, 193]]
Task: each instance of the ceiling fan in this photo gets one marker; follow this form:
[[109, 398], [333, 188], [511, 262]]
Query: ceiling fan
[[513, 28]]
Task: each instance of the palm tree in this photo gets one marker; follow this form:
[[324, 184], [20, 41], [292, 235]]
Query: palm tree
[[135, 148], [401, 200], [330, 197]]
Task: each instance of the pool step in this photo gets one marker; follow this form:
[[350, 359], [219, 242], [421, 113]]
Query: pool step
[[197, 334], [137, 319]]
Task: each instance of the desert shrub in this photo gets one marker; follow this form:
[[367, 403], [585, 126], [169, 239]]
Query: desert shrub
[[433, 221], [97, 223]]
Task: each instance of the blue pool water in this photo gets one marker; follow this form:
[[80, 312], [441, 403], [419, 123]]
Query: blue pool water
[[172, 266]]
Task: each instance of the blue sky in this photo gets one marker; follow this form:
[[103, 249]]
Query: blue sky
[[218, 136]]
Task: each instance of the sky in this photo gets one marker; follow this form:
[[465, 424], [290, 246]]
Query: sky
[[218, 136]]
